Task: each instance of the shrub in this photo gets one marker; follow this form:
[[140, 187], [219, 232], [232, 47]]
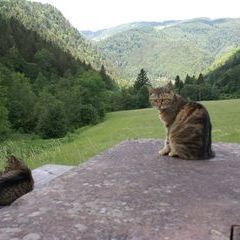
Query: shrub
[[88, 114], [52, 121]]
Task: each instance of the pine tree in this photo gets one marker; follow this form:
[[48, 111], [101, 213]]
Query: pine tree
[[178, 84], [194, 79], [200, 79], [142, 80], [188, 80], [105, 77], [200, 82]]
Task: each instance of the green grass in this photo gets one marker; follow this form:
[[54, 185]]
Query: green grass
[[118, 126]]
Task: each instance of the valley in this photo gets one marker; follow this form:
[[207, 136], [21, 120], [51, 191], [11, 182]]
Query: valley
[[170, 48]]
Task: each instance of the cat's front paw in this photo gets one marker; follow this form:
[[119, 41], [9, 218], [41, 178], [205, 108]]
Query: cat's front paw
[[164, 151], [172, 154]]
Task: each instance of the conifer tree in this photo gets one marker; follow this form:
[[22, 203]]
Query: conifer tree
[[178, 84], [200, 82], [142, 80], [108, 81], [188, 80], [200, 79]]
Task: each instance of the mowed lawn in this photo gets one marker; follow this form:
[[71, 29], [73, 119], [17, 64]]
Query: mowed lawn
[[118, 126]]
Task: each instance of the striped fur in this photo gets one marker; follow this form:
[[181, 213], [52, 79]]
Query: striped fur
[[188, 125], [15, 181]]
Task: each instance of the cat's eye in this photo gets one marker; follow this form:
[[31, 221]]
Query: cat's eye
[[167, 100]]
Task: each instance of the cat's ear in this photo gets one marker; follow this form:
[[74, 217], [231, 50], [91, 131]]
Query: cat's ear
[[11, 158]]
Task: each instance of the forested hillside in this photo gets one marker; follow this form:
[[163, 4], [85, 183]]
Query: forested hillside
[[52, 26], [170, 49], [44, 89], [221, 81], [226, 77]]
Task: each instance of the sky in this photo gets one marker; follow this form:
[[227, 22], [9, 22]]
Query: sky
[[99, 14]]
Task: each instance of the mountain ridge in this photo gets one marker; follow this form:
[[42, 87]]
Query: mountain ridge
[[107, 32], [170, 49]]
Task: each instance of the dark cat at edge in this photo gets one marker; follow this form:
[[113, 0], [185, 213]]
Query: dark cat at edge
[[15, 181]]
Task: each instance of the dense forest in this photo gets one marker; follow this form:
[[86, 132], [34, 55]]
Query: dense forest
[[44, 89]]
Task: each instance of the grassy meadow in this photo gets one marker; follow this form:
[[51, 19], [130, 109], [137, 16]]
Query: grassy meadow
[[118, 126]]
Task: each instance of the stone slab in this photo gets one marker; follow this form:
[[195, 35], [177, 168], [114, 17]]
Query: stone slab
[[235, 233], [45, 174], [131, 193]]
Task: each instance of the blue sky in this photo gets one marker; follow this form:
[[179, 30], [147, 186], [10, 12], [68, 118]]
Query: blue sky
[[98, 14]]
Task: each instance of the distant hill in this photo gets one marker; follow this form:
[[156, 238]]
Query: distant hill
[[169, 48], [222, 58], [106, 33]]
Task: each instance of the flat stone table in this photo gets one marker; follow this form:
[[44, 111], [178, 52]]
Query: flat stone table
[[47, 173], [130, 192]]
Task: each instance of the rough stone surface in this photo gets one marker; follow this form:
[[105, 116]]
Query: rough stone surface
[[47, 173], [129, 192], [235, 235]]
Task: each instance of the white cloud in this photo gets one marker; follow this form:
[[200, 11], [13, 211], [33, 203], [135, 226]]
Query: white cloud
[[96, 14]]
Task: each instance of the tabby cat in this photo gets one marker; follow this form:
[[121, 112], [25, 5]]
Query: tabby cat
[[15, 181], [187, 124]]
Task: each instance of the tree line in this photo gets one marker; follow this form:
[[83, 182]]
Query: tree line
[[195, 89], [222, 83]]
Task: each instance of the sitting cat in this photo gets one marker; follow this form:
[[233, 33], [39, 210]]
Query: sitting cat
[[15, 181], [187, 125]]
